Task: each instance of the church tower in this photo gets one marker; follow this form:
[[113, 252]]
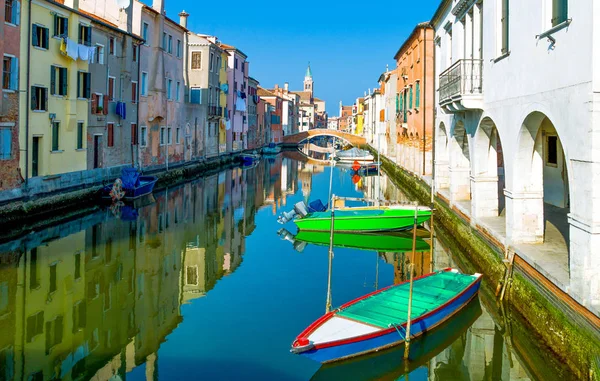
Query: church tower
[[308, 81]]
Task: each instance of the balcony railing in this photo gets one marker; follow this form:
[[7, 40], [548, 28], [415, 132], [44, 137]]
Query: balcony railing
[[463, 78]]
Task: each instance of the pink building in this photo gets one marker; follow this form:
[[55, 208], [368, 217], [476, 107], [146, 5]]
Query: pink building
[[237, 99]]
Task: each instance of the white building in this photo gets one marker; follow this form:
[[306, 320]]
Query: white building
[[333, 123], [517, 125]]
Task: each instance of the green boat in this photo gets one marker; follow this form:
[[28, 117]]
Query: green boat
[[365, 219], [398, 242]]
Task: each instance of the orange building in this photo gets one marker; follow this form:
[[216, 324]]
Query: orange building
[[277, 103], [415, 100]]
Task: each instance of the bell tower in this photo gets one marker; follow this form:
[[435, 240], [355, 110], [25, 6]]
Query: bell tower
[[308, 81]]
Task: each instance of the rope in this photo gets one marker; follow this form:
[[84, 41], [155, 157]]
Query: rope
[[397, 330]]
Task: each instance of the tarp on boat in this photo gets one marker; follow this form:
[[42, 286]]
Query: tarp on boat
[[130, 178], [353, 152]]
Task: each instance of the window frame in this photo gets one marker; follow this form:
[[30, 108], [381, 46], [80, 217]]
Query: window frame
[[145, 29], [111, 96], [199, 53], [143, 136], [80, 135], [9, 155], [144, 84], [55, 136], [137, 91]]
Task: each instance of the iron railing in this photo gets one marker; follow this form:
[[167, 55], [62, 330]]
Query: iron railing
[[464, 77]]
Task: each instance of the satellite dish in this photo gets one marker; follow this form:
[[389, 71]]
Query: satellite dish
[[123, 4]]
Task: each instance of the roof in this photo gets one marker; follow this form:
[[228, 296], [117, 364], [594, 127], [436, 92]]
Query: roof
[[423, 25], [231, 47], [98, 18], [148, 8], [438, 13], [318, 99], [264, 92], [304, 95], [308, 72]]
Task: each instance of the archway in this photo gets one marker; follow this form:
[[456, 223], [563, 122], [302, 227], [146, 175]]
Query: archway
[[460, 164], [441, 158], [540, 199], [488, 172]]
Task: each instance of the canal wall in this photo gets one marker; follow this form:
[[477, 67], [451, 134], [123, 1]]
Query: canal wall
[[566, 328]]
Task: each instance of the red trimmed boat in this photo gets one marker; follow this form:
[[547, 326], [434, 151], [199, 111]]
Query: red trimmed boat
[[378, 320]]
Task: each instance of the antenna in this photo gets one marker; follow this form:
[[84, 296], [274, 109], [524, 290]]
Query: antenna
[[123, 4]]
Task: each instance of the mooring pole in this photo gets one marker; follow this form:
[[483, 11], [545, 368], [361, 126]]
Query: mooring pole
[[410, 293], [328, 303]]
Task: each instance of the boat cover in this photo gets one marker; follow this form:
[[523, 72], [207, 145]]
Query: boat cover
[[390, 307], [317, 206], [353, 152], [349, 213], [130, 178]]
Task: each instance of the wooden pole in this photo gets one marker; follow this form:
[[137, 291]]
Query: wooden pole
[[431, 260], [328, 302], [410, 293]]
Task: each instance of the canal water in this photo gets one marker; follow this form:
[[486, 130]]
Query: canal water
[[200, 282]]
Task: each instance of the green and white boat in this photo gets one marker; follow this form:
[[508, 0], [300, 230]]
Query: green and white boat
[[396, 242], [368, 219]]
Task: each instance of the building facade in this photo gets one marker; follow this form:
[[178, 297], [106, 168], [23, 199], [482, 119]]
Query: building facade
[[254, 138], [273, 114], [312, 112], [237, 99]]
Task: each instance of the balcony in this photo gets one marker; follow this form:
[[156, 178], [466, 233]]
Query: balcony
[[461, 86]]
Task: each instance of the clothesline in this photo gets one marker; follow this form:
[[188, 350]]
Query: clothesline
[[77, 51]]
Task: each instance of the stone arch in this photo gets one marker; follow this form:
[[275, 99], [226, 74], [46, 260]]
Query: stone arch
[[541, 192], [488, 171], [460, 163], [442, 158]]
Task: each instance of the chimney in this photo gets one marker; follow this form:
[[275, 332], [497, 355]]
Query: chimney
[[73, 4], [159, 6], [286, 86], [276, 87], [183, 16]]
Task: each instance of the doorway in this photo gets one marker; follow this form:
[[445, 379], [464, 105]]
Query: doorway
[[35, 156], [97, 151]]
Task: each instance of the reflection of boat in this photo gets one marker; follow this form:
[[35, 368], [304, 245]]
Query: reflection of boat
[[377, 320], [398, 242], [271, 149], [352, 155], [249, 158], [365, 219], [388, 364], [133, 185]]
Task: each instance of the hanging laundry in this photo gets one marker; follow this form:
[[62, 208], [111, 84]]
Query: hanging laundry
[[225, 88], [228, 125], [243, 95], [92, 57], [120, 110], [72, 49], [63, 47], [240, 105], [84, 52]]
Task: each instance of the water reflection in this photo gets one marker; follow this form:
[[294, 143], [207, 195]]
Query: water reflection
[[128, 292]]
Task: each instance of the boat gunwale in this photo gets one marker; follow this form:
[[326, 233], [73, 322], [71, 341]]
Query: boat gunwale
[[317, 323]]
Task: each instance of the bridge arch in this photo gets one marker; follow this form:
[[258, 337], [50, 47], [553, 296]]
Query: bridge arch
[[300, 137]]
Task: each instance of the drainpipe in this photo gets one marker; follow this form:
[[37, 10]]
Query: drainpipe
[[434, 123], [29, 26], [424, 95]]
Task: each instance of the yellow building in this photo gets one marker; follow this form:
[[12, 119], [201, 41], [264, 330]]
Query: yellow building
[[55, 105], [226, 107], [360, 118]]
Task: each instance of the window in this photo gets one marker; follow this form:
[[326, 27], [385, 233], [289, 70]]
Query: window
[[10, 73], [52, 287], [169, 136], [134, 134], [5, 143], [61, 72], [210, 63], [178, 48], [218, 63], [144, 84], [111, 134], [39, 98], [55, 135], [111, 88], [170, 45], [134, 51], [552, 150], [195, 95], [99, 104], [559, 11], [83, 85], [79, 316], [85, 35], [39, 36], [236, 63], [35, 325], [196, 60], [54, 333], [163, 132], [80, 135], [169, 89], [143, 136], [191, 275], [177, 137], [145, 32], [504, 19], [410, 98], [61, 26], [164, 41], [418, 95], [12, 12], [111, 46], [134, 92], [178, 91], [100, 54]]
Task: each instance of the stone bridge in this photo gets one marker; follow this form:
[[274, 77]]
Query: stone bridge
[[300, 137]]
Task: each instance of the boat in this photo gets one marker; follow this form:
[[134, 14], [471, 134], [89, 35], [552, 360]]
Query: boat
[[130, 186], [378, 320], [352, 155], [271, 149], [397, 242], [387, 364], [364, 219], [249, 158]]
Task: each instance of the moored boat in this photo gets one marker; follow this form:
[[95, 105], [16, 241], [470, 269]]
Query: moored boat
[[396, 242], [130, 186], [378, 320], [271, 149], [249, 158], [352, 155]]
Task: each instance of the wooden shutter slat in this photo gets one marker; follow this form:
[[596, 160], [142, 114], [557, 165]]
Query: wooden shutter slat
[[105, 105], [52, 79]]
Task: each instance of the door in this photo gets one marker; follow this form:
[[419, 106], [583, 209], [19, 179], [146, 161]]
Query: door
[[97, 151], [35, 156]]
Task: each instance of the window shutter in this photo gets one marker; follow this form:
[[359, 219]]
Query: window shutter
[[134, 134], [418, 95], [14, 74], [34, 36], [410, 98], [66, 26], [65, 81], [45, 92], [33, 98], [87, 83], [16, 13], [88, 36], [94, 103], [79, 37], [6, 140], [56, 30], [111, 137], [105, 105], [53, 80], [46, 38], [134, 92]]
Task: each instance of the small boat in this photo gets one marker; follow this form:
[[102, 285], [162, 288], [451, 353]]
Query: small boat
[[364, 219], [271, 149], [397, 242], [130, 186], [387, 364], [378, 320], [352, 155], [249, 158]]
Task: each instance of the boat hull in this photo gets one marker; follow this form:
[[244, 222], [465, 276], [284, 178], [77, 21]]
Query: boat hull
[[391, 337], [387, 243], [145, 188], [356, 224]]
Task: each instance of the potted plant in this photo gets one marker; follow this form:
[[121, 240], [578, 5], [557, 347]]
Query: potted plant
[[99, 110]]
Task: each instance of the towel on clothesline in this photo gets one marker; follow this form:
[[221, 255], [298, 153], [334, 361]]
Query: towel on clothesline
[[92, 57], [84, 52], [72, 50]]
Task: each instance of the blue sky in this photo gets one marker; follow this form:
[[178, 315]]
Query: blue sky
[[348, 44]]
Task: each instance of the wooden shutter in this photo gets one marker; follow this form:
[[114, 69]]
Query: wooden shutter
[[94, 103], [56, 26], [88, 36], [79, 90], [410, 98], [504, 22], [66, 27], [105, 105], [46, 38], [111, 87], [111, 136], [35, 38], [87, 82], [418, 95], [14, 74], [65, 80], [16, 12], [134, 92], [559, 11], [53, 80], [45, 93], [134, 134]]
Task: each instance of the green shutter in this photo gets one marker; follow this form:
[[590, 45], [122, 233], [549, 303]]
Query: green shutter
[[53, 80], [65, 80], [559, 11], [35, 39], [55, 136], [33, 98], [418, 95], [46, 38], [66, 27], [79, 92], [504, 22], [79, 135], [87, 83], [410, 98], [401, 99], [56, 30]]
